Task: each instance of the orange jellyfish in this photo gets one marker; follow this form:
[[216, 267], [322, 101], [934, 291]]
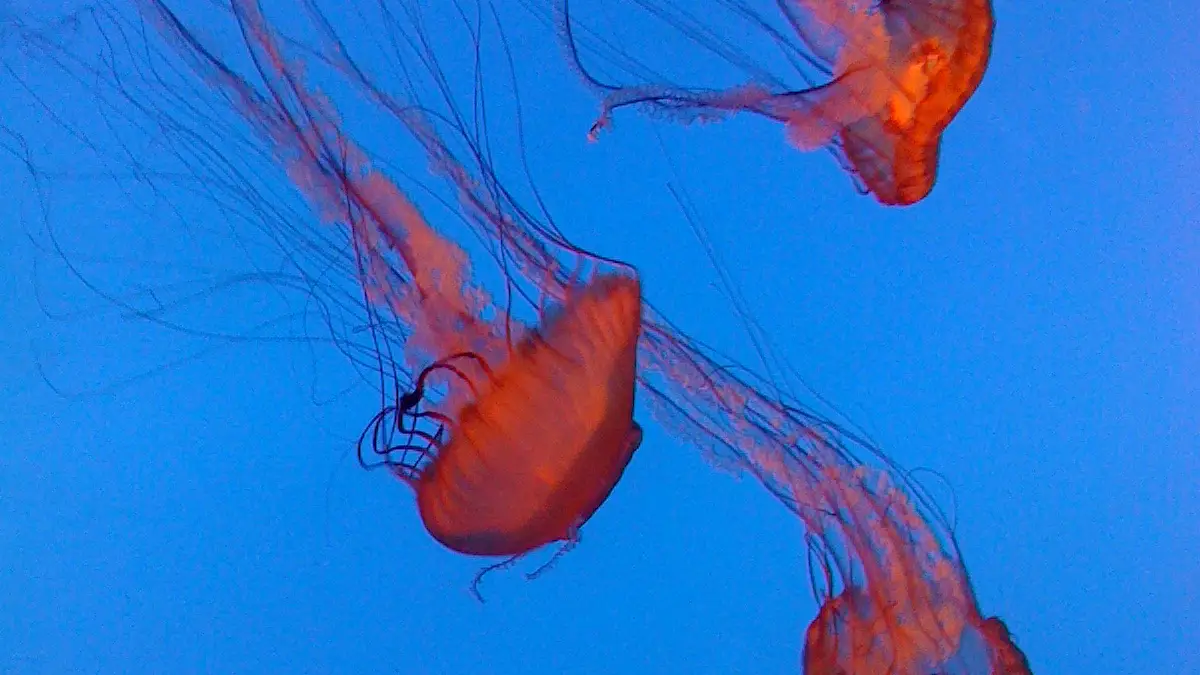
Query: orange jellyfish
[[541, 442], [522, 442], [845, 638], [899, 71], [894, 596], [893, 589]]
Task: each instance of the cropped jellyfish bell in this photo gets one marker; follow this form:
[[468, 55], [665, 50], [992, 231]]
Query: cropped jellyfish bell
[[895, 598], [542, 440], [849, 635]]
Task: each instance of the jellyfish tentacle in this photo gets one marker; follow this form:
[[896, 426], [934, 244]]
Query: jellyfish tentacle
[[405, 415], [442, 418], [446, 363], [502, 565], [568, 545]]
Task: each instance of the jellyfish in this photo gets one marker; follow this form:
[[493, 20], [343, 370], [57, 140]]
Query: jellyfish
[[898, 609], [896, 74], [532, 433], [887, 573], [527, 462]]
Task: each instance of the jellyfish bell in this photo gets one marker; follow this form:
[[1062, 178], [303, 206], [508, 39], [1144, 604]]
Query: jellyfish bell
[[547, 437], [846, 637], [905, 70], [903, 603]]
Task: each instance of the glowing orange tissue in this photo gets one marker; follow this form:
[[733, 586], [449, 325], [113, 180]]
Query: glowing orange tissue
[[897, 73], [543, 439], [904, 72]]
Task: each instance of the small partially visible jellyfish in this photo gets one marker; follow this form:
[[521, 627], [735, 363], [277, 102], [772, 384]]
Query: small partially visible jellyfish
[[891, 604], [898, 72], [887, 572], [850, 635]]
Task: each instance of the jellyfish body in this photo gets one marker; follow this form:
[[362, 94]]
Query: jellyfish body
[[901, 71], [548, 438], [895, 598], [905, 72], [543, 439], [848, 636]]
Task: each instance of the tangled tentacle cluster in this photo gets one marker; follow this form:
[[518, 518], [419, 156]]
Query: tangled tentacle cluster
[[420, 442]]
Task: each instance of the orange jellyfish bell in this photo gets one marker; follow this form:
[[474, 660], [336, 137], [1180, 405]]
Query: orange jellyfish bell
[[849, 637], [548, 436], [895, 597], [905, 70]]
